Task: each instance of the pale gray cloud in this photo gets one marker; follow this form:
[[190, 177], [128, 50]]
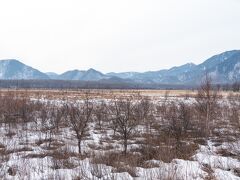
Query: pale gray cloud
[[111, 35]]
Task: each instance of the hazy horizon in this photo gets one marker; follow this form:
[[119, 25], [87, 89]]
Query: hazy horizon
[[117, 36]]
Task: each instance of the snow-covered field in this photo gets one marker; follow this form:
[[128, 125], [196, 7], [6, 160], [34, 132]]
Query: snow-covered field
[[35, 149]]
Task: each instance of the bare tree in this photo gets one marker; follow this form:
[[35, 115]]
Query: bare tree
[[57, 114], [145, 114], [10, 110], [174, 124], [185, 116], [206, 104], [79, 117], [234, 110], [101, 113], [175, 128], [125, 119], [162, 107]]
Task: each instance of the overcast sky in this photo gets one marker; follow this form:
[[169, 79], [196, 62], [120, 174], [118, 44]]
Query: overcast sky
[[116, 35]]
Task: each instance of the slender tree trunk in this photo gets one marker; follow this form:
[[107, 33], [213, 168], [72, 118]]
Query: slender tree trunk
[[125, 146], [79, 146], [207, 121]]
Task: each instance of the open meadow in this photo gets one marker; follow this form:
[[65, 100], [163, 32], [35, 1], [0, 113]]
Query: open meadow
[[119, 134]]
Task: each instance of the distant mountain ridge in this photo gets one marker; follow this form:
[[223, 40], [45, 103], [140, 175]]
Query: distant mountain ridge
[[52, 75], [223, 68], [14, 69], [89, 75]]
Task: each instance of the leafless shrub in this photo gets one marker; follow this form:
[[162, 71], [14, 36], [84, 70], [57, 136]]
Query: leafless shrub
[[162, 107], [98, 171], [48, 122], [57, 114], [185, 116], [175, 126], [234, 115], [4, 157], [129, 169], [82, 173], [101, 114], [79, 118], [63, 164], [207, 106], [125, 119]]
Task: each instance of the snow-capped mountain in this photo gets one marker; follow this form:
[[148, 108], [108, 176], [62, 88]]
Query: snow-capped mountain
[[223, 68], [71, 75], [124, 75], [173, 75], [14, 69], [89, 75], [52, 75]]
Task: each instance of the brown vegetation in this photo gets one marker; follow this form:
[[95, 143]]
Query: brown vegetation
[[163, 130]]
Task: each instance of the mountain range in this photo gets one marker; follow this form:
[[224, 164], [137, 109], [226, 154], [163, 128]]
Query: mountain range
[[223, 68]]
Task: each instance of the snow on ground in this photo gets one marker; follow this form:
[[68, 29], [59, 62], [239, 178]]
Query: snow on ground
[[42, 168], [45, 167], [223, 167]]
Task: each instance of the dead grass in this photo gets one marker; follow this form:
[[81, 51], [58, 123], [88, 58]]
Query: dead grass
[[23, 149], [10, 134], [160, 144], [63, 164], [2, 146], [57, 154], [119, 162], [94, 93], [226, 153]]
